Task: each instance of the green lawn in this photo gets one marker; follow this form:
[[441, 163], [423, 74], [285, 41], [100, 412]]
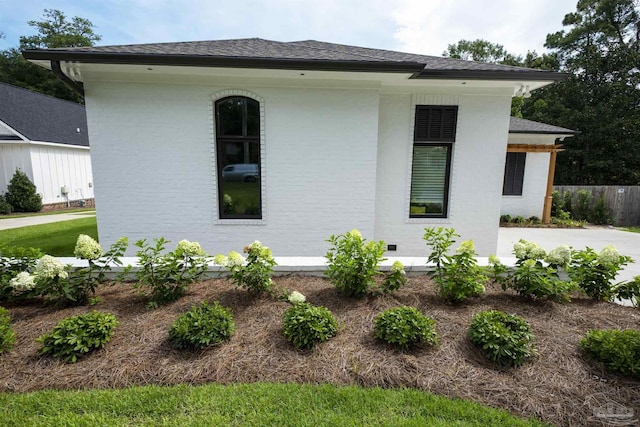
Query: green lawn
[[23, 215], [247, 405], [632, 229], [57, 238]]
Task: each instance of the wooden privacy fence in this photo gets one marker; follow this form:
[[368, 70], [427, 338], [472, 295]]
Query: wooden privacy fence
[[623, 201]]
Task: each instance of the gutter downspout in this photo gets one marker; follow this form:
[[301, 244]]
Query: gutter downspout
[[75, 86]]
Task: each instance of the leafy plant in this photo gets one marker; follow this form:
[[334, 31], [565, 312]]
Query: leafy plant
[[617, 350], [165, 277], [530, 278], [5, 207], [76, 336], [21, 194], [629, 291], [506, 218], [583, 206], [505, 339], [254, 273], [405, 327], [353, 263], [458, 276], [567, 203], [595, 272], [14, 261], [306, 325], [600, 212], [557, 203], [7, 334], [202, 326]]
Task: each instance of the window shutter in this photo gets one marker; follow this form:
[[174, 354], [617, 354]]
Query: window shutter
[[514, 174], [435, 123]]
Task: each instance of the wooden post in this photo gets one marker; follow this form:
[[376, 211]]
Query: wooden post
[[548, 199]]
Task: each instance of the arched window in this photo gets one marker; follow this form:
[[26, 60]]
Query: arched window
[[238, 157]]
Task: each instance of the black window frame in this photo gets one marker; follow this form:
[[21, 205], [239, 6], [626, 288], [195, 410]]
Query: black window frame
[[221, 140], [444, 138], [514, 169]]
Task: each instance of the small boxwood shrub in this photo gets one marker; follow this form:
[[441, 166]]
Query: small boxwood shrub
[[202, 326], [306, 325], [405, 327], [503, 338], [22, 194], [76, 336], [618, 350], [7, 335]]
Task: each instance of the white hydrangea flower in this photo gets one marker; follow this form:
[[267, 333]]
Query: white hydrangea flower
[[220, 259], [22, 282], [609, 256], [493, 259], [235, 259], [559, 256], [397, 267], [528, 250], [466, 247], [188, 248], [355, 232], [296, 297], [49, 267], [87, 248]]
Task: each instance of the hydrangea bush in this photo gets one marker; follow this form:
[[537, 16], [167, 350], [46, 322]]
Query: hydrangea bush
[[405, 327], [306, 325], [254, 273], [202, 326], [14, 261], [595, 272]]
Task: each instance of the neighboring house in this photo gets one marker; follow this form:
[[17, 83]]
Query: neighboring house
[[343, 137], [530, 166], [47, 139]]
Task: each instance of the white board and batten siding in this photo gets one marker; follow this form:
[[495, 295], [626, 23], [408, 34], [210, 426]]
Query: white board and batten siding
[[13, 155]]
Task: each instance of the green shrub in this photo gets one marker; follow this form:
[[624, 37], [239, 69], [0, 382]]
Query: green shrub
[[76, 336], [5, 207], [534, 220], [519, 219], [618, 350], [14, 261], [557, 203], [306, 325], [405, 327], [595, 272], [629, 290], [353, 264], [583, 205], [458, 276], [505, 339], [202, 326], [254, 273], [7, 335], [567, 203], [165, 277], [21, 194], [506, 218], [600, 212]]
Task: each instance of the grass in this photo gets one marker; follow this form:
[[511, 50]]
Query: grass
[[57, 238], [261, 404], [65, 211], [632, 229]]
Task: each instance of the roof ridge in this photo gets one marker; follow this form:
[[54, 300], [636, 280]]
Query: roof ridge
[[305, 43], [35, 92]]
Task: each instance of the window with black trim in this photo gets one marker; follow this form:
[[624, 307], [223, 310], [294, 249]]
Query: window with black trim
[[514, 174], [433, 137], [238, 157]]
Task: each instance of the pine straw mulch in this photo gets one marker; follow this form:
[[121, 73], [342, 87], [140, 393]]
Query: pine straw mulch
[[553, 387]]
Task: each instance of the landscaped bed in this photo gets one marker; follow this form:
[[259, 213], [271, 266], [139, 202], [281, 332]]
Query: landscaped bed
[[553, 387]]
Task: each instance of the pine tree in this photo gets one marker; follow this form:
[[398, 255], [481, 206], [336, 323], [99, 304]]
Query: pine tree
[[21, 194]]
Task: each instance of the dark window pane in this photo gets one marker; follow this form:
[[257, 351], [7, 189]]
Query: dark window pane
[[514, 174], [230, 113], [429, 180], [253, 118]]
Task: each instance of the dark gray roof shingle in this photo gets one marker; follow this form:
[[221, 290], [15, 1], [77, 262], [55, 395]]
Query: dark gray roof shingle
[[517, 125], [43, 118], [278, 53]]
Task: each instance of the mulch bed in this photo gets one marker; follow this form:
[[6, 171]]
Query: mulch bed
[[554, 387]]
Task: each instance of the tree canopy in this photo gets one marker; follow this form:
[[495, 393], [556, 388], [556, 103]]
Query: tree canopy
[[53, 31]]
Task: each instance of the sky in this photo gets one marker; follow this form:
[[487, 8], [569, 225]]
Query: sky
[[416, 26]]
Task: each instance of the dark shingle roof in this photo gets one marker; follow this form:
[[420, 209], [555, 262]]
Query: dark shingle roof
[[517, 125], [43, 118], [308, 54]]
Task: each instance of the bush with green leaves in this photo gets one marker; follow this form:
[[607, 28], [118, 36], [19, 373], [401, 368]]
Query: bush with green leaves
[[202, 326], [458, 276], [629, 291], [353, 266], [582, 209], [254, 273], [617, 350], [405, 327], [567, 203], [7, 334], [76, 336], [505, 339], [600, 213], [557, 203], [595, 271], [22, 195], [13, 262], [5, 207], [164, 277], [306, 325], [505, 218], [530, 278]]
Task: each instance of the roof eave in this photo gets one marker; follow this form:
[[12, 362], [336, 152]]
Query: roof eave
[[544, 132], [491, 75], [223, 61]]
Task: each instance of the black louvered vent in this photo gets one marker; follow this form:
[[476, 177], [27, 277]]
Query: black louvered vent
[[435, 123]]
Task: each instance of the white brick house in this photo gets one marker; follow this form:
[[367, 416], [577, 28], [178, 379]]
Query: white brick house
[[344, 137]]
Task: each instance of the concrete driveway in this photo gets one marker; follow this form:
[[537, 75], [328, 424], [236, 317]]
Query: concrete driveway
[[7, 223], [626, 242]]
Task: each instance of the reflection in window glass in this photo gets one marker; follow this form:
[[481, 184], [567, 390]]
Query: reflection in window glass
[[429, 176]]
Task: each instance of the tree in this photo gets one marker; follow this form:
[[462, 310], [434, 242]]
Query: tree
[[54, 31], [481, 51], [600, 49], [21, 194]]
